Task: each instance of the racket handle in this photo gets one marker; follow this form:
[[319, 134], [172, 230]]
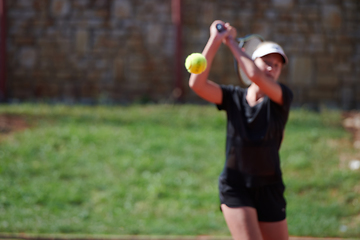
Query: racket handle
[[220, 27]]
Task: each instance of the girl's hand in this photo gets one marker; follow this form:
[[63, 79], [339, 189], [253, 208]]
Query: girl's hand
[[231, 34], [220, 36]]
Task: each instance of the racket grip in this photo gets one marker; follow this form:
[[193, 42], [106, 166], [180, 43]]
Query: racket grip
[[220, 27]]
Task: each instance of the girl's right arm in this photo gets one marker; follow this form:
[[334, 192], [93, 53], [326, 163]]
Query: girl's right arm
[[199, 83]]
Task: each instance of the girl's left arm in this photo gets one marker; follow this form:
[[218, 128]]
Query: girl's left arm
[[271, 88]]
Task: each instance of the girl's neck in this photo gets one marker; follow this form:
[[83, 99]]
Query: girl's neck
[[254, 95]]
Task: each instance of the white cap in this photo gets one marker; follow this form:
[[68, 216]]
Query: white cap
[[267, 48]]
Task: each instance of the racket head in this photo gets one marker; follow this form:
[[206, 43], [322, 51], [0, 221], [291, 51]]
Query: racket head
[[249, 44]]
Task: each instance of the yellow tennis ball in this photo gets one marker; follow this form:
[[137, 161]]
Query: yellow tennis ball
[[195, 63]]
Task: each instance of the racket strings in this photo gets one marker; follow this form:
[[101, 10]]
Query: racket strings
[[249, 43]]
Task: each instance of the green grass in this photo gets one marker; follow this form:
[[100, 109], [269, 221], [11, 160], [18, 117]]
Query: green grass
[[153, 169]]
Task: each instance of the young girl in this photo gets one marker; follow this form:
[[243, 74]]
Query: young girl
[[251, 186]]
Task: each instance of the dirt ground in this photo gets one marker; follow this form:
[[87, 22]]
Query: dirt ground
[[11, 123], [351, 122]]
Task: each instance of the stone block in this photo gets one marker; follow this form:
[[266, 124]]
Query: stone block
[[208, 13], [349, 79], [63, 76], [189, 16], [88, 91], [262, 28], [281, 38], [155, 33], [93, 77], [80, 3], [301, 70], [122, 9], [82, 41], [357, 92], [226, 13], [41, 75], [324, 64], [132, 78], [134, 42], [320, 94], [315, 48], [106, 77], [286, 4], [295, 44], [347, 97], [21, 16], [24, 40], [51, 90], [350, 4], [106, 42], [101, 63], [102, 13], [168, 48], [24, 3], [344, 49], [271, 14], [316, 38], [298, 27], [313, 16], [246, 15], [42, 6], [27, 57], [60, 8], [327, 80], [343, 67], [21, 93], [68, 92], [137, 63], [331, 16], [101, 3]]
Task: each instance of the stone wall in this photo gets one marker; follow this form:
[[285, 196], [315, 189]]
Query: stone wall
[[124, 50], [89, 51]]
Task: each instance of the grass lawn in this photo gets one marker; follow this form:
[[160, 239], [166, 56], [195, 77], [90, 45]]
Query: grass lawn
[[153, 169]]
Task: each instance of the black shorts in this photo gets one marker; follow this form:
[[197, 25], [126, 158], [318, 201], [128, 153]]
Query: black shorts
[[268, 200]]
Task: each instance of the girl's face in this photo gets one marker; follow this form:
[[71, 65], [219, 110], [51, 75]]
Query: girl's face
[[271, 65]]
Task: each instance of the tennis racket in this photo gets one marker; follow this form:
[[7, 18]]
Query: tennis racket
[[249, 44]]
